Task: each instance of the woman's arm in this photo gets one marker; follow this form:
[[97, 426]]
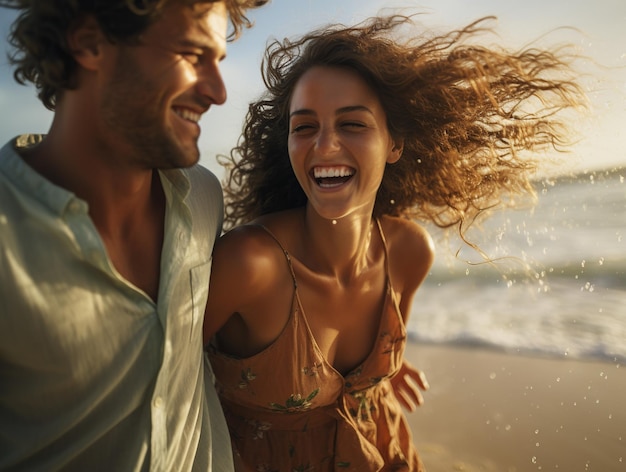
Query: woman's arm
[[412, 253], [249, 296], [226, 276]]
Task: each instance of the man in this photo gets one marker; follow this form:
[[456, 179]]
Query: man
[[106, 231]]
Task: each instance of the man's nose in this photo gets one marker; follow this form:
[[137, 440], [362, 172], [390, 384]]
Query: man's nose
[[211, 84]]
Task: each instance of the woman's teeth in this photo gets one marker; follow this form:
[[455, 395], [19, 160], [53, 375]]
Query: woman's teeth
[[328, 177]]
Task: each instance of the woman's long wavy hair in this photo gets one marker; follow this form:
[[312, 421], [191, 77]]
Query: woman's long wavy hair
[[471, 119], [41, 54]]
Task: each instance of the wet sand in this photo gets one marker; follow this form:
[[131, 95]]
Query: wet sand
[[492, 411]]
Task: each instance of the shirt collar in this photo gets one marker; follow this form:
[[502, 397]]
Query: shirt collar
[[20, 174], [56, 198]]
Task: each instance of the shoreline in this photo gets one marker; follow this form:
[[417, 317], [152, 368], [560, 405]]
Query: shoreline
[[493, 411]]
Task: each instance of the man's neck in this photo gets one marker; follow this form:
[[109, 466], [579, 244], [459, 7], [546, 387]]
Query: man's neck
[[126, 205], [115, 191]]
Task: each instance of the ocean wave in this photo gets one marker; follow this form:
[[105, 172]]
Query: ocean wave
[[563, 319], [557, 284], [601, 272]]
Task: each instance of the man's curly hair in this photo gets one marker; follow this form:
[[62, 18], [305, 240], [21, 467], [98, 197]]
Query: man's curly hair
[[471, 118], [38, 36]]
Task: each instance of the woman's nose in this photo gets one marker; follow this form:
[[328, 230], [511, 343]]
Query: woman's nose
[[327, 141]]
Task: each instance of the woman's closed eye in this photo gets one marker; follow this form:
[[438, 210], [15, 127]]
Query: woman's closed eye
[[301, 128], [353, 124]]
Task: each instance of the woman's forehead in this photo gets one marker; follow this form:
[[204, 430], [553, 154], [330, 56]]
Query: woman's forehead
[[328, 85]]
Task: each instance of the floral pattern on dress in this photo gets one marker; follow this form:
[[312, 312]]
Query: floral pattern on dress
[[388, 342], [247, 376], [296, 402], [312, 370], [364, 408], [259, 428]]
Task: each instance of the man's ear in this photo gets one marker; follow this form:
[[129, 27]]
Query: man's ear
[[85, 40], [396, 151]]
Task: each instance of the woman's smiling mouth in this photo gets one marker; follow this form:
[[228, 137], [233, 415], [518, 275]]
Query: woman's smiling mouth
[[331, 176]]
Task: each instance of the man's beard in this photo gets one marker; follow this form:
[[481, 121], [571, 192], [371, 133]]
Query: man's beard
[[134, 112]]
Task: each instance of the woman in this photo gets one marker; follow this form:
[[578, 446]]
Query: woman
[[358, 135]]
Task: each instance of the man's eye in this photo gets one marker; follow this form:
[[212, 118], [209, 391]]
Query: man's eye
[[192, 57]]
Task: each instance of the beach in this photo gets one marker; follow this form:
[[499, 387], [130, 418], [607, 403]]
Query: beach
[[488, 410]]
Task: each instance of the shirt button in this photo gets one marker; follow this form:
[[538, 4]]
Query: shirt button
[[157, 402], [74, 207]]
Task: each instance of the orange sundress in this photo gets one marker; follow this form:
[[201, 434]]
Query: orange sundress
[[289, 410]]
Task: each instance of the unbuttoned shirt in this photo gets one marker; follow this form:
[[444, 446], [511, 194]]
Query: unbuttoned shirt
[[94, 374]]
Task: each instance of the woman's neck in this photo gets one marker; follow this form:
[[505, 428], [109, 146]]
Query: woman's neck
[[338, 248]]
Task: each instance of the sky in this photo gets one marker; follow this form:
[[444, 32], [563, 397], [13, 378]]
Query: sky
[[596, 28]]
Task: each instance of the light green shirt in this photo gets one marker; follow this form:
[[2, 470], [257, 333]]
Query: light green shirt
[[93, 374]]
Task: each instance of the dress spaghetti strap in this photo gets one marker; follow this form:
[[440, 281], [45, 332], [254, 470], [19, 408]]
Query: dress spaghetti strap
[[285, 252], [288, 257], [387, 272]]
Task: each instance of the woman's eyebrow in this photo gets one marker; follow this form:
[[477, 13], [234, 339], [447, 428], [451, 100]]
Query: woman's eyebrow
[[351, 108], [339, 111]]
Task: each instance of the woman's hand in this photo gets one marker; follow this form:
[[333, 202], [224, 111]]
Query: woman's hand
[[407, 384]]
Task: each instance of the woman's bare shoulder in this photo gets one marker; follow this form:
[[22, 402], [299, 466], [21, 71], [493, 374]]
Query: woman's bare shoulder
[[247, 254], [411, 250], [407, 234], [245, 239]]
